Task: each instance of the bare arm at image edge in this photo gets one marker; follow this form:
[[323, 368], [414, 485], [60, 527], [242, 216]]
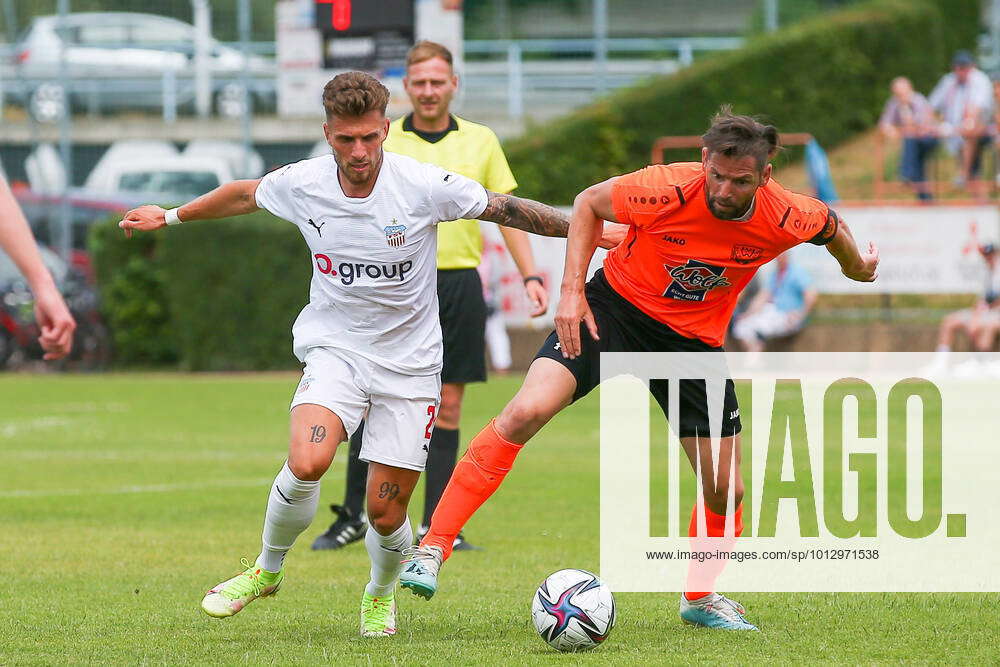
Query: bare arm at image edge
[[51, 313]]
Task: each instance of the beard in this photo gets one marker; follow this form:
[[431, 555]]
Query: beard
[[355, 177], [725, 212]]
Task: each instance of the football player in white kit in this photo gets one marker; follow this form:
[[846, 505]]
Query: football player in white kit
[[369, 337]]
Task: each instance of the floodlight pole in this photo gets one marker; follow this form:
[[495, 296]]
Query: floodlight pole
[[10, 19], [244, 26], [771, 15], [202, 36], [601, 44], [995, 32], [63, 240]]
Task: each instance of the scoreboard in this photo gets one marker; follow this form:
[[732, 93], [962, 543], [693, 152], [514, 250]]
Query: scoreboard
[[372, 35]]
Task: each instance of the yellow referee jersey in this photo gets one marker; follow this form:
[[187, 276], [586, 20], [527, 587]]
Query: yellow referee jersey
[[466, 148]]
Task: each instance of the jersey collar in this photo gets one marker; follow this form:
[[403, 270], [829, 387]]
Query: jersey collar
[[430, 137], [750, 211]]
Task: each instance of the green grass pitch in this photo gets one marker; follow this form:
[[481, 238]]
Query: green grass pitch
[[123, 498]]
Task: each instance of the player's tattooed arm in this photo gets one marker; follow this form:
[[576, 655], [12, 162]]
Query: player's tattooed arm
[[526, 214], [535, 217]]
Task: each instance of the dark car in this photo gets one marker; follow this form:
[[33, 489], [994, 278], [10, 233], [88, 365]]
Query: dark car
[[18, 330]]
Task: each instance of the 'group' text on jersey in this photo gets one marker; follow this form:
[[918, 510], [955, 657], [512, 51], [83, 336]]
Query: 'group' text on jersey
[[374, 272], [685, 267]]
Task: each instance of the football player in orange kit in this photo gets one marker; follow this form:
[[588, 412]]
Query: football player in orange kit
[[697, 234]]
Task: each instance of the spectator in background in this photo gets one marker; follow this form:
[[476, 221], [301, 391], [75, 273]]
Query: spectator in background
[[995, 124], [909, 116], [964, 100], [53, 317], [981, 323], [491, 273], [780, 308]]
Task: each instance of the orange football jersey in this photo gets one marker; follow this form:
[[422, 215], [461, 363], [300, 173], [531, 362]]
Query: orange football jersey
[[685, 267]]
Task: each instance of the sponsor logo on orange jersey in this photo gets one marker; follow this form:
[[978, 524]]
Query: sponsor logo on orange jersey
[[693, 280]]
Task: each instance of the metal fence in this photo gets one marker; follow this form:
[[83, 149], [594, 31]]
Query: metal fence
[[502, 73], [514, 69]]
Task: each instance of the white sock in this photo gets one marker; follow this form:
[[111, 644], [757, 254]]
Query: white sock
[[290, 509], [386, 554]]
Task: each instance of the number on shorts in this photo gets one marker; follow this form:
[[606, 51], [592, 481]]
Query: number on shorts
[[431, 410]]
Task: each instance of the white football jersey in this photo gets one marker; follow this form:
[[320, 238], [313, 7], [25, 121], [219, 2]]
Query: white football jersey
[[374, 266]]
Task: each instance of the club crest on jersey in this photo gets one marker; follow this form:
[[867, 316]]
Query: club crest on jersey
[[744, 254], [395, 235], [693, 280]]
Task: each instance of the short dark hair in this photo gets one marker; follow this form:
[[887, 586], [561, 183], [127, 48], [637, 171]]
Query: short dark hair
[[428, 50], [354, 94], [738, 136]]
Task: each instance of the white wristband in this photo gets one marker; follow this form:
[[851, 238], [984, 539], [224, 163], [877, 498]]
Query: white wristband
[[171, 215]]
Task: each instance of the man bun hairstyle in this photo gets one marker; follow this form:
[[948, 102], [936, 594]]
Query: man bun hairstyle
[[354, 94], [738, 136], [426, 50]]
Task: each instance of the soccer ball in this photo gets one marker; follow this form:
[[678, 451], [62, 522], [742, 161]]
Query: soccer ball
[[573, 610]]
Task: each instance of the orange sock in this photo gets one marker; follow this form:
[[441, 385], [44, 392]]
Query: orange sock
[[709, 570], [477, 475]]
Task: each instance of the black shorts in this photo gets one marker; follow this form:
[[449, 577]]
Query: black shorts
[[463, 325], [624, 328]]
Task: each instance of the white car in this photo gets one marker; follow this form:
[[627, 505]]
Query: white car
[[162, 179], [321, 147], [125, 152], [119, 59]]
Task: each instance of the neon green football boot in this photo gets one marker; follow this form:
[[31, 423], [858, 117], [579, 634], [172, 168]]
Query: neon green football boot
[[231, 596], [378, 615]]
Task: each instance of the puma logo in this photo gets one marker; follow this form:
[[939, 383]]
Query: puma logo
[[318, 230]]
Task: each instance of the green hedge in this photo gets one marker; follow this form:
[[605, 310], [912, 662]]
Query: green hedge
[[828, 76], [133, 298], [235, 287], [218, 295]]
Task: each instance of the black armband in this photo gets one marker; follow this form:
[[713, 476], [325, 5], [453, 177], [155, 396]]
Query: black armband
[[528, 279], [829, 230]]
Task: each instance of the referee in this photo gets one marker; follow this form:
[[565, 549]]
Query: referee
[[431, 133]]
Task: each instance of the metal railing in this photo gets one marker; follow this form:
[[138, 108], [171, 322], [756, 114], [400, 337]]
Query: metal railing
[[938, 185], [597, 74], [512, 68], [684, 47], [163, 91], [662, 144]]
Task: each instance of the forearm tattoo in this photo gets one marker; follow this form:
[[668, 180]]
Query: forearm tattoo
[[526, 214]]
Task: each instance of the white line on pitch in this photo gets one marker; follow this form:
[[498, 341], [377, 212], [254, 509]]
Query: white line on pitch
[[10, 429], [148, 488]]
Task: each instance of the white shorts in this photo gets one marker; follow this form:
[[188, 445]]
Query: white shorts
[[987, 317], [768, 322], [400, 408]]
